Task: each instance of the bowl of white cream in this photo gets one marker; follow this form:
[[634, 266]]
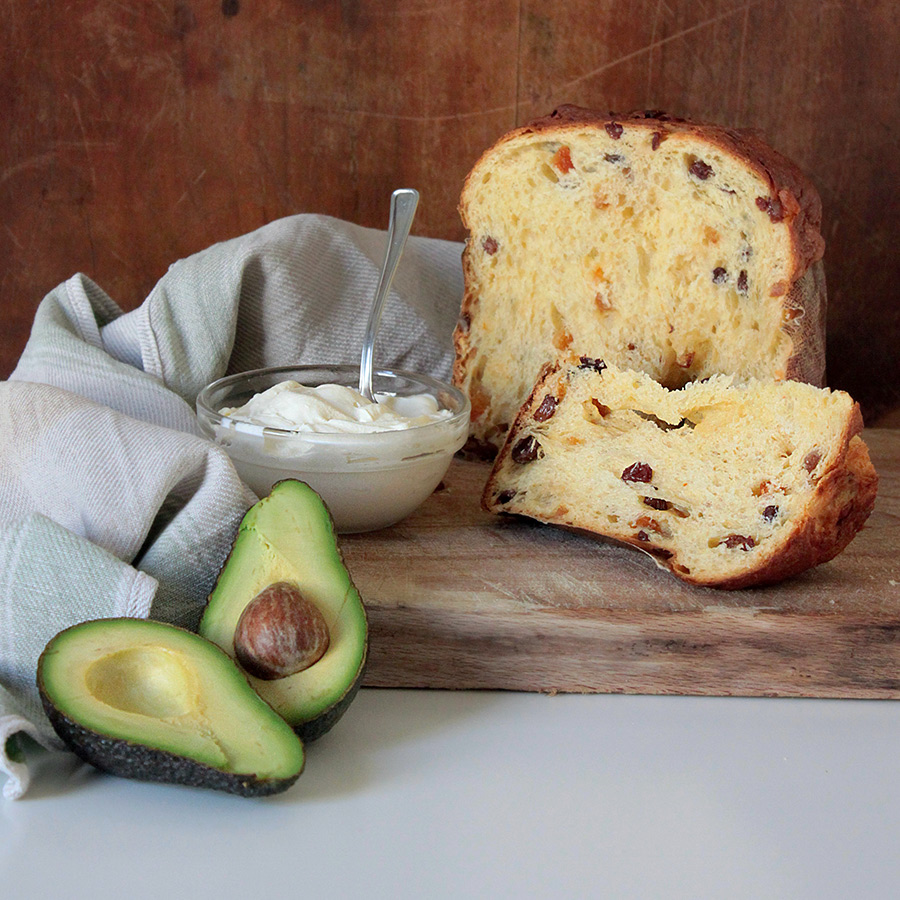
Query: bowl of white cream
[[372, 463]]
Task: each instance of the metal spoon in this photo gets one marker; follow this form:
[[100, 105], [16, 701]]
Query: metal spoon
[[403, 210]]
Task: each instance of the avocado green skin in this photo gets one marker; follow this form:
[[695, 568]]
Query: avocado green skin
[[313, 729], [141, 763]]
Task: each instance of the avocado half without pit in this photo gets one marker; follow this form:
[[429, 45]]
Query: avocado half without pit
[[146, 700], [285, 608]]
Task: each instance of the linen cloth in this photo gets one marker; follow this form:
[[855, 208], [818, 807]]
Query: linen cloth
[[111, 501]]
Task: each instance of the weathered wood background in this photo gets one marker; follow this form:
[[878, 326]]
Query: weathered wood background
[[136, 134]]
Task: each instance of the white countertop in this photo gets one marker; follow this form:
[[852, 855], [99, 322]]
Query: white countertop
[[486, 794]]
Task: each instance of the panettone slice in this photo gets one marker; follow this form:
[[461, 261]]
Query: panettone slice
[[727, 483]]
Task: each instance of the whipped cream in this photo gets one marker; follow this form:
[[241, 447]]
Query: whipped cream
[[335, 409]]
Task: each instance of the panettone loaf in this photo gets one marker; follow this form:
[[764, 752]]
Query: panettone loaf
[[726, 483], [677, 249]]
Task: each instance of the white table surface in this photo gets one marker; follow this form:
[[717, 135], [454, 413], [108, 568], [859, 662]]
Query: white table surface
[[491, 794]]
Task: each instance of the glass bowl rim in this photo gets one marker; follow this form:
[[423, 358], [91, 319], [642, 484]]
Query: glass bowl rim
[[205, 409]]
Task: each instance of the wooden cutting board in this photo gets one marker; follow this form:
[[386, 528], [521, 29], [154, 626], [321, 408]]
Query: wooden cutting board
[[458, 598]]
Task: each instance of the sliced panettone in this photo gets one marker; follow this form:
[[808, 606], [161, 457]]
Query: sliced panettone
[[677, 249], [727, 483]]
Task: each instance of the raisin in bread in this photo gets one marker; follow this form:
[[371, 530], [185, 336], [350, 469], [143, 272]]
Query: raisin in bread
[[726, 483], [677, 249]]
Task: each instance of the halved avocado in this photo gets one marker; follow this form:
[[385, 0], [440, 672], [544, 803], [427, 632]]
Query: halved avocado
[[146, 700], [288, 537]]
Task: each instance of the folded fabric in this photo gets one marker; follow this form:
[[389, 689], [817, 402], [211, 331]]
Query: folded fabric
[[111, 502]]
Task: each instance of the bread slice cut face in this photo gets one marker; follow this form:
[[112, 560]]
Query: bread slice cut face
[[726, 483], [676, 249]]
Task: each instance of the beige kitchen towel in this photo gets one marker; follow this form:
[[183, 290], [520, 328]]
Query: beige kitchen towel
[[111, 502]]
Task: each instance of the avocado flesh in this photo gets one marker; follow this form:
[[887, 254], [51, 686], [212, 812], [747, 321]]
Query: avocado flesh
[[289, 536], [146, 700]]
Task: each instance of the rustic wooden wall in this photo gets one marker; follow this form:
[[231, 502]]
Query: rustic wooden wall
[[135, 134]]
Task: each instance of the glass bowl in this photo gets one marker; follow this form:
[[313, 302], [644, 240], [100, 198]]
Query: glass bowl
[[368, 481]]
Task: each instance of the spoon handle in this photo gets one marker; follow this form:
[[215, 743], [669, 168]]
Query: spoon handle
[[403, 209]]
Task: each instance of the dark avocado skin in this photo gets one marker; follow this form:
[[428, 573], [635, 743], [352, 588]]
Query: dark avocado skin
[[136, 761], [315, 728]]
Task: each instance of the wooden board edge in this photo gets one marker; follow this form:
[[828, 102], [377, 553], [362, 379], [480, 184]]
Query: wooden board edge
[[719, 652]]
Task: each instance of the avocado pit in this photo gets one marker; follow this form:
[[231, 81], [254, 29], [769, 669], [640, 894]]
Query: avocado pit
[[280, 632], [289, 537]]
